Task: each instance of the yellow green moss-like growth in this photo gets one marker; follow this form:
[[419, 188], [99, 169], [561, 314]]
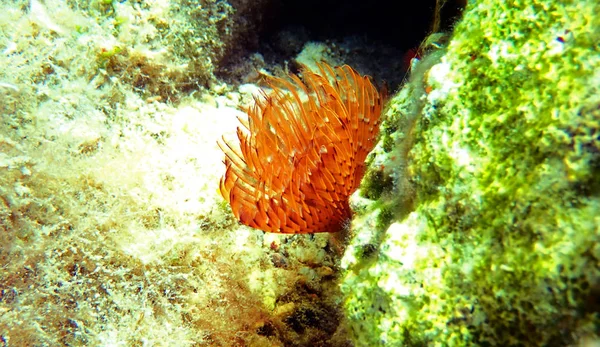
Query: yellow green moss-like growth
[[503, 240]]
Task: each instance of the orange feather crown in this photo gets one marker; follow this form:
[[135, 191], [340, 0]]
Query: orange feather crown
[[302, 150]]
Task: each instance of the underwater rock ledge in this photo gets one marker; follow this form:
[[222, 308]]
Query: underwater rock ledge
[[486, 230]]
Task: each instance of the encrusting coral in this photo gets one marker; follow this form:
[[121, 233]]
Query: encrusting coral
[[302, 152]]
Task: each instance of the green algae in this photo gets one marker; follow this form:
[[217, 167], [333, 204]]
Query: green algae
[[502, 243]]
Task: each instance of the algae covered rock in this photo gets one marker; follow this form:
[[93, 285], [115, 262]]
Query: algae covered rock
[[485, 230]]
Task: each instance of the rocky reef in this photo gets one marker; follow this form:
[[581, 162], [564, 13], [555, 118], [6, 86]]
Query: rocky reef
[[477, 223]]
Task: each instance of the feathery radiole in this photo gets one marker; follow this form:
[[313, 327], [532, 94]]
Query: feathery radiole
[[301, 151]]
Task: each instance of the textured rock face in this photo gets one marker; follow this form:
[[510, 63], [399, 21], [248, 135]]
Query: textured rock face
[[111, 228], [482, 225]]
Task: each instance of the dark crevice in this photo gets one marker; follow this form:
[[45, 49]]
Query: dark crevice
[[374, 37]]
